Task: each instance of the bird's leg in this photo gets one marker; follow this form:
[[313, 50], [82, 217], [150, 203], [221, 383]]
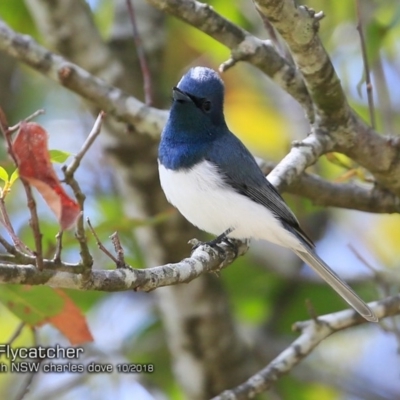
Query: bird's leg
[[215, 242], [229, 242], [223, 237]]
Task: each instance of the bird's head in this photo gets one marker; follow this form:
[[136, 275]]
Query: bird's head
[[198, 101]]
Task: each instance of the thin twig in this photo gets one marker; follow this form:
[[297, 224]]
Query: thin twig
[[64, 388], [86, 257], [57, 254], [100, 245], [3, 120], [27, 386], [366, 66], [34, 220], [311, 310], [14, 128], [86, 146], [16, 333], [383, 286], [32, 208], [5, 220], [34, 224], [69, 171], [119, 250], [147, 86], [280, 48], [9, 248], [362, 259], [312, 333]]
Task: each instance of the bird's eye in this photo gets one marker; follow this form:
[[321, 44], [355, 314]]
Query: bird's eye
[[206, 106]]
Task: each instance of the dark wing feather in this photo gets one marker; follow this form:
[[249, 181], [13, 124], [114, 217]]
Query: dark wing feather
[[235, 165]]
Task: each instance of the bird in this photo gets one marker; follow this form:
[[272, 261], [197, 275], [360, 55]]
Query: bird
[[214, 181]]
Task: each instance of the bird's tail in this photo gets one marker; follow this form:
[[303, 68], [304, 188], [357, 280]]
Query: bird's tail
[[326, 273]]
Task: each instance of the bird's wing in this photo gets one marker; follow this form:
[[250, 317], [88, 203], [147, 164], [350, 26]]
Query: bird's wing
[[234, 166]]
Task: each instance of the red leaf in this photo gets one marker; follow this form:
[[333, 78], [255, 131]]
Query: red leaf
[[34, 165], [71, 322]]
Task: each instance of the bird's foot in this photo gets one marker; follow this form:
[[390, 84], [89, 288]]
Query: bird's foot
[[214, 244], [230, 244], [223, 238]]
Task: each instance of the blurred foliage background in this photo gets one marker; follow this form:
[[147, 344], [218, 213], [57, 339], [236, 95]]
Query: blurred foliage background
[[268, 286]]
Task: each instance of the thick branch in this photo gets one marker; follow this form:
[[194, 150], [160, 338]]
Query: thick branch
[[312, 333], [204, 259], [302, 155], [299, 27], [108, 98], [60, 29], [350, 135], [376, 153], [343, 195], [243, 46]]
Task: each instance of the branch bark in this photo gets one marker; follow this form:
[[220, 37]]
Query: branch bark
[[196, 317], [349, 133], [342, 131], [151, 120], [299, 27], [112, 100], [352, 195], [67, 276], [243, 46], [312, 333]]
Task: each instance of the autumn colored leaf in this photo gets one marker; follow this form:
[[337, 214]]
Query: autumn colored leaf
[[32, 304], [40, 305], [71, 322], [34, 165]]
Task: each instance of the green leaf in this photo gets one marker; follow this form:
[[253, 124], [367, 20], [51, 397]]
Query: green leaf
[[59, 156], [14, 176], [3, 174], [32, 304]]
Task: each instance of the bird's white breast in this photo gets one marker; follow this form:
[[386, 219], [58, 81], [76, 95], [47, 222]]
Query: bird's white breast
[[210, 204]]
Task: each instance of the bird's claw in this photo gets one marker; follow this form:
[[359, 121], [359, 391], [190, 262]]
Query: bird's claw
[[215, 244], [231, 245]]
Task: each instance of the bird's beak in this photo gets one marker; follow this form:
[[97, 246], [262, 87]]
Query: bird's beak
[[178, 95]]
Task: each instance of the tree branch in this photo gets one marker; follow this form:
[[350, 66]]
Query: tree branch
[[89, 49], [112, 100], [204, 301], [243, 46], [350, 135], [376, 153], [302, 155], [312, 333], [299, 27], [204, 259], [343, 195]]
